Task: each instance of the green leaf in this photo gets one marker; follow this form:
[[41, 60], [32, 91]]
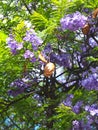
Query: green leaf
[[3, 36], [39, 20]]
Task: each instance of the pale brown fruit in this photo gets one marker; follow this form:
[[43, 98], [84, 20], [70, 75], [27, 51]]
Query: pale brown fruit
[[95, 13], [86, 29], [49, 69], [41, 57]]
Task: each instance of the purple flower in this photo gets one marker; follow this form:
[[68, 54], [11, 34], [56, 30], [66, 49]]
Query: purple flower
[[89, 119], [20, 83], [19, 46], [94, 70], [32, 37], [47, 51], [13, 45], [19, 86], [73, 21], [81, 125], [76, 125], [14, 93], [92, 42], [93, 109], [29, 55], [68, 100], [29, 34], [33, 59], [47, 48], [77, 107], [91, 83], [61, 59]]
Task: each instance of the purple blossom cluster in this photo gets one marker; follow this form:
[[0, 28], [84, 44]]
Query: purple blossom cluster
[[85, 124], [61, 59], [68, 100], [14, 93], [92, 109], [18, 87], [88, 120], [32, 37], [92, 42], [75, 108], [73, 21], [47, 51], [29, 55], [13, 44], [93, 25], [91, 82], [81, 125]]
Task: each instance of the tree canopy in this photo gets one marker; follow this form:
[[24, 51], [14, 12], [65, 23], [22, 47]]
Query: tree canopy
[[49, 65]]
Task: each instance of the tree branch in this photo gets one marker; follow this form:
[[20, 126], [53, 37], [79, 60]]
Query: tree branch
[[26, 7], [15, 101]]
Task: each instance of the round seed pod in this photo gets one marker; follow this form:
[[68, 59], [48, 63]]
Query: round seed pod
[[86, 29], [95, 13], [49, 69]]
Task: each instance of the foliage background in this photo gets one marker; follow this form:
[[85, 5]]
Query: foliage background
[[24, 112]]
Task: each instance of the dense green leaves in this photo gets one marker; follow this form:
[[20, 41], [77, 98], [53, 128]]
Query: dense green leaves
[[27, 110]]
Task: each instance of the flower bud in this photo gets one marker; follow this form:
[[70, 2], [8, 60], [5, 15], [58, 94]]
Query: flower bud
[[41, 57], [95, 13], [49, 69], [86, 29]]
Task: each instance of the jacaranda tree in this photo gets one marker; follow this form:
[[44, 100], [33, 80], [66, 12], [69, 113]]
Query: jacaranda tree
[[49, 65]]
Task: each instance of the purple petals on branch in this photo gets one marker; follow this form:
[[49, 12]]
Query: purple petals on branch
[[73, 21], [81, 125], [29, 34], [68, 100], [76, 124], [92, 42], [91, 82], [14, 93], [47, 49], [13, 45], [18, 87], [21, 85], [46, 53], [29, 55], [61, 59], [93, 109], [32, 37], [77, 107]]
